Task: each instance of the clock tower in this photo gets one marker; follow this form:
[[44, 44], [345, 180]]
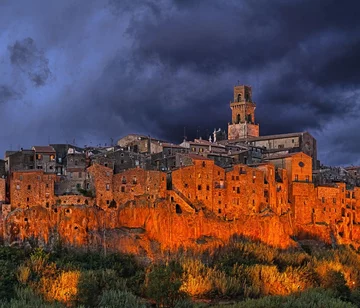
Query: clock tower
[[242, 124]]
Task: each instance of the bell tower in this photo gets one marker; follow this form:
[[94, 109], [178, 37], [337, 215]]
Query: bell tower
[[242, 124]]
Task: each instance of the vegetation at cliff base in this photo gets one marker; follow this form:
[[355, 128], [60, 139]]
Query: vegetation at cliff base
[[243, 274]]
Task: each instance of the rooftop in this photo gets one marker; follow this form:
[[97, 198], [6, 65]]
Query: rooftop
[[44, 149]]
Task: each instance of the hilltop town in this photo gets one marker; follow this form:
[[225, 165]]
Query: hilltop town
[[149, 196]]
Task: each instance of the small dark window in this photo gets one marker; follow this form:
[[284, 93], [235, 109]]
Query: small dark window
[[199, 187], [122, 188], [219, 211], [27, 199], [29, 187], [207, 187]]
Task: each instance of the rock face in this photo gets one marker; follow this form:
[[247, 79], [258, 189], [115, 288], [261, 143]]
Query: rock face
[[142, 230]]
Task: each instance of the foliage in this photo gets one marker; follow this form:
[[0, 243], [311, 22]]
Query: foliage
[[312, 298], [119, 299], [251, 273], [163, 284]]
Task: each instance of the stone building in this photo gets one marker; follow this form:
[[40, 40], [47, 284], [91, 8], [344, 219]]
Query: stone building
[[122, 159], [45, 158], [141, 144], [19, 160], [243, 131], [242, 124], [31, 188], [2, 168], [202, 147]]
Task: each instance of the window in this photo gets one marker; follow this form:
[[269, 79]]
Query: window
[[237, 178], [233, 178], [134, 180], [18, 187], [76, 162], [29, 187], [27, 199], [238, 190], [203, 164], [296, 177], [21, 177], [292, 140], [80, 175], [52, 157], [334, 200], [123, 180], [207, 187], [47, 185], [38, 157], [323, 199], [121, 161], [199, 187], [307, 178], [107, 186], [280, 146]]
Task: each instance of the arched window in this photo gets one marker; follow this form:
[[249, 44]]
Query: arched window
[[238, 118], [249, 118], [239, 98]]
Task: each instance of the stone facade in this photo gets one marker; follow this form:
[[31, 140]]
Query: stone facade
[[30, 188], [242, 115], [2, 190]]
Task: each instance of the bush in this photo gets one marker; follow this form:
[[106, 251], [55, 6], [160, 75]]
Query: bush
[[119, 299], [163, 284]]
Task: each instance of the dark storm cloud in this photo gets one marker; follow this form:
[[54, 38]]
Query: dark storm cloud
[[7, 94], [30, 60], [155, 67]]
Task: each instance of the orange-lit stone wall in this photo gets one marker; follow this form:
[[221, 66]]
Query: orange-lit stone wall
[[29, 188], [2, 189], [245, 190], [101, 179], [203, 182], [74, 199], [137, 182], [182, 208]]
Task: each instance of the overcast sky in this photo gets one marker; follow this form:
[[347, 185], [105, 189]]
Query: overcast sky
[[92, 70]]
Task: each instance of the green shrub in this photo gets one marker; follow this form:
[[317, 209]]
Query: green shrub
[[119, 299]]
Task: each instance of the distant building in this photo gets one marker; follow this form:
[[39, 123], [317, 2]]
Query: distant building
[[243, 131]]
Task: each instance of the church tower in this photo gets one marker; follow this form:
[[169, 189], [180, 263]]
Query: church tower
[[242, 124]]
